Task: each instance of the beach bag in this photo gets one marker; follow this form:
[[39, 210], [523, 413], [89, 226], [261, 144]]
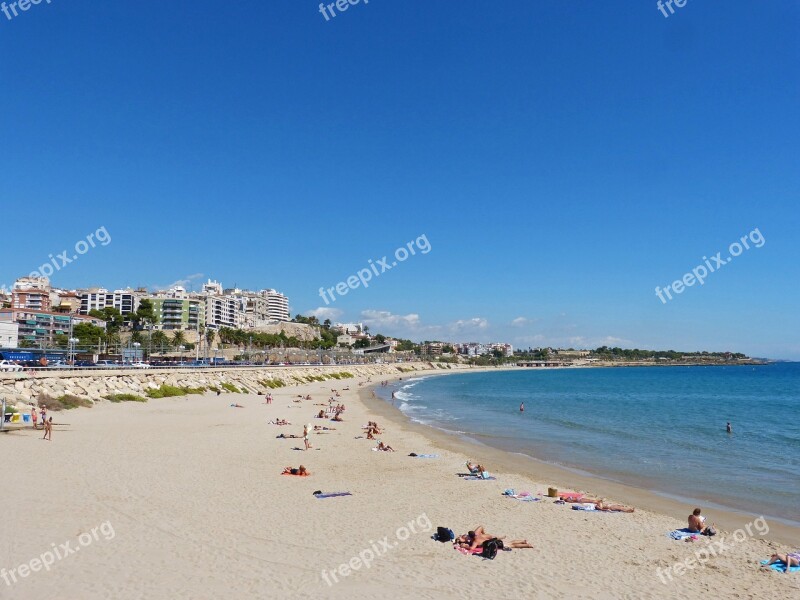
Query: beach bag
[[710, 531], [443, 534], [490, 548]]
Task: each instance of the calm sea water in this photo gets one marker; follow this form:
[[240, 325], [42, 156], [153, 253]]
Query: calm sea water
[[661, 428]]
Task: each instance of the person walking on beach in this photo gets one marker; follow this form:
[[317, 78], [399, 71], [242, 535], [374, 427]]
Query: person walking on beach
[[48, 430]]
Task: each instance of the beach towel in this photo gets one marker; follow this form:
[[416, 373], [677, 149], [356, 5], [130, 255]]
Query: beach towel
[[479, 478], [295, 474], [570, 496], [587, 506], [682, 534], [467, 551], [333, 495], [427, 456], [780, 566], [524, 498]]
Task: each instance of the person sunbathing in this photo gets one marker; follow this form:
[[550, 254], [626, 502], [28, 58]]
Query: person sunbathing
[[384, 447], [321, 414], [301, 471], [598, 504], [283, 436], [280, 422], [697, 523], [478, 536], [790, 559], [321, 428]]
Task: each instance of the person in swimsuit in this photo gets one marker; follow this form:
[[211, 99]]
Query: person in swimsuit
[[792, 559], [33, 415], [306, 429], [48, 430], [301, 471], [697, 523]]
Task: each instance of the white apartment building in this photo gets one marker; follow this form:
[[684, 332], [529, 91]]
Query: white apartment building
[[125, 301], [9, 334], [277, 305]]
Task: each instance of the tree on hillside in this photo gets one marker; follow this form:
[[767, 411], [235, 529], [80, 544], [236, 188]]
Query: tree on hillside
[[111, 315], [144, 315], [178, 339]]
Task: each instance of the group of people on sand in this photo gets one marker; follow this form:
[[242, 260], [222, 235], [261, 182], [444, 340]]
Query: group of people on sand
[[475, 538], [47, 422]]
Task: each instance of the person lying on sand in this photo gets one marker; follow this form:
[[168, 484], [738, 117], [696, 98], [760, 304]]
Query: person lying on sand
[[697, 523], [283, 436], [321, 428], [280, 422], [237, 405], [791, 559], [301, 470], [478, 536], [599, 504], [384, 448]]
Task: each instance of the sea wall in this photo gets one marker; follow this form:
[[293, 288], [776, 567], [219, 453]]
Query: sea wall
[[22, 388]]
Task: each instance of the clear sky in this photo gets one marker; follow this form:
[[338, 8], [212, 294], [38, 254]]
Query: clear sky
[[562, 159]]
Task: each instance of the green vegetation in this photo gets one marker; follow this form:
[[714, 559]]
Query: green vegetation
[[65, 402], [125, 398], [166, 391], [230, 388], [272, 383]]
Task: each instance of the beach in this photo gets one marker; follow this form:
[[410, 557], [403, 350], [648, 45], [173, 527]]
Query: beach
[[184, 498]]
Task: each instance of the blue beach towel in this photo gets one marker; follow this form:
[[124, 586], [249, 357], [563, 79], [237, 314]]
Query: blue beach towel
[[333, 495], [427, 456], [479, 478], [780, 566], [682, 534]]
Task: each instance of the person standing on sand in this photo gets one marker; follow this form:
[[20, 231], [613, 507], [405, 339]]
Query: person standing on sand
[[48, 430], [306, 429], [33, 415]]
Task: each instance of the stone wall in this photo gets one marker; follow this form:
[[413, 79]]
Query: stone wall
[[21, 388]]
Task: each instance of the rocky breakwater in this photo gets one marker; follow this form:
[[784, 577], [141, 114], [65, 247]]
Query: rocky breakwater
[[21, 388]]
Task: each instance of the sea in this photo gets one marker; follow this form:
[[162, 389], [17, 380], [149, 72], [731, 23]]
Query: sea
[[656, 428]]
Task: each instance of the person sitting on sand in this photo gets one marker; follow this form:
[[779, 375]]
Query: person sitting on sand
[[337, 417], [321, 414], [301, 471], [791, 559], [384, 447], [697, 523]]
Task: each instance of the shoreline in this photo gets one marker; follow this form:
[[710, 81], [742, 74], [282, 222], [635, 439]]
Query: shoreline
[[191, 490], [565, 478]]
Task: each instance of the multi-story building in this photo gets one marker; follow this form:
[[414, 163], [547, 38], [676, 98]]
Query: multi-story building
[[41, 327], [352, 328], [277, 305], [185, 314], [125, 301], [9, 335], [65, 302], [31, 292]]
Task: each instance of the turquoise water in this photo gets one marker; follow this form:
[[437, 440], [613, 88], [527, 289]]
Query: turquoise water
[[661, 428]]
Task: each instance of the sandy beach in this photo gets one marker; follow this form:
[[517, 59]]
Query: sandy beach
[[184, 498]]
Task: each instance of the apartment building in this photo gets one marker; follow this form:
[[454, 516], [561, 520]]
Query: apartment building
[[41, 327], [183, 314], [125, 301], [31, 292]]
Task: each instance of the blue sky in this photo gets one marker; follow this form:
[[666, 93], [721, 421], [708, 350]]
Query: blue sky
[[562, 158]]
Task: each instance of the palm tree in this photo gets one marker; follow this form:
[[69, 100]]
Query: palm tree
[[178, 339]]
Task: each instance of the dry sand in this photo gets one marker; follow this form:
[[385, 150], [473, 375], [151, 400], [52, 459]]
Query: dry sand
[[187, 501]]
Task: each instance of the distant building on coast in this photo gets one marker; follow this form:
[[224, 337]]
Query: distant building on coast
[[40, 327], [31, 292]]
